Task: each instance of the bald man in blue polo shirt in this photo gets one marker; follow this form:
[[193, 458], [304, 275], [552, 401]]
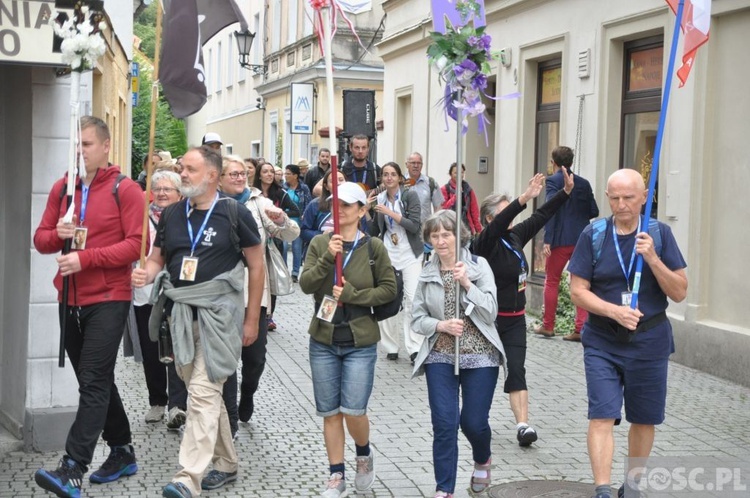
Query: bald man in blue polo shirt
[[626, 351]]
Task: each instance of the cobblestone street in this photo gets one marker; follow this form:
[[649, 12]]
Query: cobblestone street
[[282, 452]]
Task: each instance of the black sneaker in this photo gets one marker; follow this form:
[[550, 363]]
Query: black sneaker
[[119, 463], [246, 408], [65, 481], [216, 479], [526, 436]]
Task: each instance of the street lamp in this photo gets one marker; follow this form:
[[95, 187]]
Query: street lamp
[[244, 44]]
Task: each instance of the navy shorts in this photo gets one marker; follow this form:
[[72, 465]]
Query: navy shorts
[[640, 383]]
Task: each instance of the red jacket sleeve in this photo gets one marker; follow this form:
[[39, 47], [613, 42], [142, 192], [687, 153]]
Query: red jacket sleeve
[[46, 240], [128, 249], [448, 200], [476, 225]]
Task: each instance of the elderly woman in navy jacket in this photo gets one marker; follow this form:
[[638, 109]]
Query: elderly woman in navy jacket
[[398, 224], [502, 244], [481, 352]]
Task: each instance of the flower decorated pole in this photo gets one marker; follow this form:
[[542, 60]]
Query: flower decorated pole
[[460, 51], [81, 45]]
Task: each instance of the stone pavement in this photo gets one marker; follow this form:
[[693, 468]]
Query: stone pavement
[[282, 453]]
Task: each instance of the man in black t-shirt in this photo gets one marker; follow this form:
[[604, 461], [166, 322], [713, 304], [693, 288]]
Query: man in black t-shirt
[[200, 243]]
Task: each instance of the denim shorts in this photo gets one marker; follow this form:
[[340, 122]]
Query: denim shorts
[[342, 378], [612, 379]]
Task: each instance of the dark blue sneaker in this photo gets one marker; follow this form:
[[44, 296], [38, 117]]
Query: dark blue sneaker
[[65, 481], [176, 490], [119, 463], [216, 479]]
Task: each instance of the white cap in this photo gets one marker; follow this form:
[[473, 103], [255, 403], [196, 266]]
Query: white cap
[[212, 137], [350, 193]]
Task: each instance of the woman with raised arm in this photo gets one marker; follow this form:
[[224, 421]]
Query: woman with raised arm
[[502, 243]]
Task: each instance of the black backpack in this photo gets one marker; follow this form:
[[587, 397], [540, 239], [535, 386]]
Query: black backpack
[[391, 308]]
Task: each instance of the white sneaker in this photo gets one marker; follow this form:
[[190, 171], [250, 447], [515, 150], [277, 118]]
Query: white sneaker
[[336, 487], [155, 414], [176, 418], [365, 471]]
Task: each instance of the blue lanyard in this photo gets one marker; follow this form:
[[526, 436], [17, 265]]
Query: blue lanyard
[[348, 256], [518, 254], [84, 201], [393, 207], [619, 253], [194, 240], [364, 174]]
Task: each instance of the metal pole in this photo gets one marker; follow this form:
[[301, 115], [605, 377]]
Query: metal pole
[[327, 34], [458, 207]]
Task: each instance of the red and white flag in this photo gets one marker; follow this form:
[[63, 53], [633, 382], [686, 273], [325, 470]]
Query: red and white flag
[[696, 19]]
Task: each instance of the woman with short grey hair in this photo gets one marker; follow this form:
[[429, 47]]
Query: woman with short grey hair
[[481, 352], [165, 389], [502, 244]]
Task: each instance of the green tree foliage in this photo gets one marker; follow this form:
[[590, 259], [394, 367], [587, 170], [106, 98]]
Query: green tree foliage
[[145, 29], [565, 318], [170, 132]]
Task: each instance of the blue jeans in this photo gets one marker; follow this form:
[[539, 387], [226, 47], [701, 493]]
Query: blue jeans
[[342, 378], [296, 254], [477, 389]]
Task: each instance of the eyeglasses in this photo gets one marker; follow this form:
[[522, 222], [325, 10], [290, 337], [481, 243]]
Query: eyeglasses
[[165, 190], [236, 174], [414, 163]]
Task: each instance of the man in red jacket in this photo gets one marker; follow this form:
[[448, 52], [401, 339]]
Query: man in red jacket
[[108, 216]]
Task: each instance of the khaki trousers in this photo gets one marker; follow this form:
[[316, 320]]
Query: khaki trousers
[[207, 438]]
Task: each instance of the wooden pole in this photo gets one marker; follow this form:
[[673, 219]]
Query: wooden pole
[[151, 135]]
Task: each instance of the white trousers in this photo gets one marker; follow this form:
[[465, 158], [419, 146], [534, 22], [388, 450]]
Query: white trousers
[[389, 329]]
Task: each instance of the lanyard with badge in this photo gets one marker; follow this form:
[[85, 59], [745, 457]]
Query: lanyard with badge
[[522, 275], [189, 267], [81, 232], [328, 306], [394, 235], [626, 296]]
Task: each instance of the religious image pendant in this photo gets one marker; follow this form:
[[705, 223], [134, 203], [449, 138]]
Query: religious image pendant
[[79, 238], [327, 308], [189, 268], [522, 281], [394, 239]]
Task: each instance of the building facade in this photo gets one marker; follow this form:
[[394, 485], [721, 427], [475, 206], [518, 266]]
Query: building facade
[[37, 399], [590, 75], [252, 109]]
